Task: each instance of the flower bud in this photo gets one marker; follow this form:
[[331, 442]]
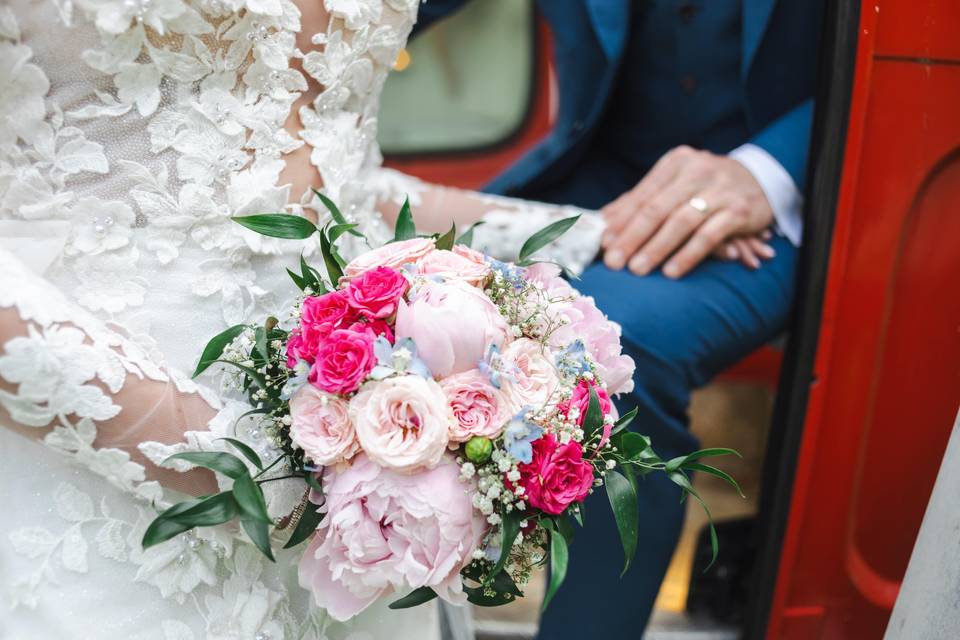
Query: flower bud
[[478, 449]]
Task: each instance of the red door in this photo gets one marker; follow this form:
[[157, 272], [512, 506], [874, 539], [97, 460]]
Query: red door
[[886, 378]]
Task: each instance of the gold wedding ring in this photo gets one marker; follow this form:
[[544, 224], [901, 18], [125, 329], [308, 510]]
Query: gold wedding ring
[[699, 204]]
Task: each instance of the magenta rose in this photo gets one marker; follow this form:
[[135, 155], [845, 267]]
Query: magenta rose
[[386, 532], [343, 360], [478, 408], [376, 293], [581, 400], [557, 476], [319, 316], [375, 327], [395, 255], [321, 426]]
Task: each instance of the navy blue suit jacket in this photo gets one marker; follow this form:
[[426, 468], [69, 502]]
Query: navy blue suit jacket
[[778, 63]]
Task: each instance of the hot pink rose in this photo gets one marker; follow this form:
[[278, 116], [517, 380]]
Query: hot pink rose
[[534, 378], [375, 294], [402, 422], [452, 324], [581, 400], [453, 266], [394, 255], [478, 408], [321, 426], [375, 327], [557, 476], [387, 532], [319, 315], [343, 361]]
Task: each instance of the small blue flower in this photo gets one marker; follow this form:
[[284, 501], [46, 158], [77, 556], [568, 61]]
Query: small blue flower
[[301, 371], [397, 358], [572, 361], [519, 436], [496, 368], [513, 275]]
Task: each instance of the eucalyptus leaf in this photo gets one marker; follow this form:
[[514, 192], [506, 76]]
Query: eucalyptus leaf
[[164, 527], [209, 511], [624, 421], [593, 421], [545, 236], [405, 228], [246, 451], [334, 270], [222, 462], [509, 528], [250, 498], [467, 237], [414, 598], [446, 240], [278, 225], [723, 475], [623, 500], [307, 524], [559, 555], [215, 347], [259, 532], [335, 213]]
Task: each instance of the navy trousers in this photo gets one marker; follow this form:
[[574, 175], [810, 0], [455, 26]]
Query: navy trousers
[[680, 333]]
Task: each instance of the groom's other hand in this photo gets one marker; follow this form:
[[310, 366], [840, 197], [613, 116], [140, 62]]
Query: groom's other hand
[[684, 209]]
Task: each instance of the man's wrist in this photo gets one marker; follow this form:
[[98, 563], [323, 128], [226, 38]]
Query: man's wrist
[[785, 199]]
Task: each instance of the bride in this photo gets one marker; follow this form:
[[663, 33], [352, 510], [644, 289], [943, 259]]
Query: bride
[[130, 132]]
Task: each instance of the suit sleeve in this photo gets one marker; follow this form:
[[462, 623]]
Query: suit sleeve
[[787, 139]]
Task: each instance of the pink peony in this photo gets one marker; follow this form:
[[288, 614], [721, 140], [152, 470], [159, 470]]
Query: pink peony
[[450, 265], [534, 378], [557, 476], [387, 532], [321, 426], [375, 294], [478, 408], [319, 315], [402, 422], [393, 255], [343, 361], [452, 324]]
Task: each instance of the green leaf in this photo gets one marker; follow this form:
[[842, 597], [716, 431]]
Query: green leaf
[[624, 421], [565, 528], [163, 527], [307, 524], [338, 230], [405, 229], [579, 513], [631, 474], [259, 532], [260, 342], [559, 556], [446, 240], [278, 225], [509, 528], [215, 347], [313, 483], [297, 280], [334, 270], [467, 237], [633, 445], [246, 451], [706, 468], [205, 512], [593, 421], [311, 277], [225, 463], [414, 598], [335, 213], [623, 500], [250, 498], [545, 236]]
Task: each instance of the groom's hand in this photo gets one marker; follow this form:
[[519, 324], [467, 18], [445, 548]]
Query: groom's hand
[[689, 204]]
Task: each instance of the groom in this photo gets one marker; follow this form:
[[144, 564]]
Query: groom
[[687, 122]]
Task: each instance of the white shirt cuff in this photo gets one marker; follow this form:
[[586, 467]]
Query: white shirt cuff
[[782, 194]]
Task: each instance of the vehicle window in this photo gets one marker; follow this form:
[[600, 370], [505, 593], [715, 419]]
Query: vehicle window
[[468, 82]]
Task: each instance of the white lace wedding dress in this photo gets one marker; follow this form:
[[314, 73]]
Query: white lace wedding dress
[[130, 132]]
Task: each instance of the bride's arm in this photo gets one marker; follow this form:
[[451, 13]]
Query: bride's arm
[[86, 390]]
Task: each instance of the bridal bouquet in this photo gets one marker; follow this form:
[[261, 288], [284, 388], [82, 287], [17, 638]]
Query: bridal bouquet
[[448, 414]]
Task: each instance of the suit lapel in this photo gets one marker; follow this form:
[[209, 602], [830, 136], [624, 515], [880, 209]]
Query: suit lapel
[[611, 22], [756, 14]]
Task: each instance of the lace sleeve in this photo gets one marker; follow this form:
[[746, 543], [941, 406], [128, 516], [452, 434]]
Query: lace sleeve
[[88, 391], [507, 222]]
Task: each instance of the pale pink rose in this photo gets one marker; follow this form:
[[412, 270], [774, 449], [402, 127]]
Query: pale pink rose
[[453, 266], [470, 254], [343, 360], [321, 426], [402, 422], [534, 379], [452, 324], [393, 255], [479, 409], [375, 294], [386, 532]]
